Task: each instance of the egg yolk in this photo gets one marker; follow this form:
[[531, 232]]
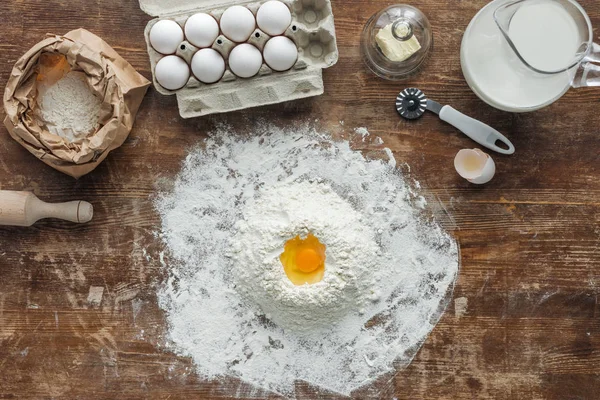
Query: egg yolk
[[303, 260]]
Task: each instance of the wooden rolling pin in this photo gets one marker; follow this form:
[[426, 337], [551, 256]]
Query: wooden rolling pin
[[25, 209]]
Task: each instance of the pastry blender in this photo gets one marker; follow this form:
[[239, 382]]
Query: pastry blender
[[411, 103]]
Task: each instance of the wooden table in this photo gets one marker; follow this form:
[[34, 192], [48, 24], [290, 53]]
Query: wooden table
[[525, 319]]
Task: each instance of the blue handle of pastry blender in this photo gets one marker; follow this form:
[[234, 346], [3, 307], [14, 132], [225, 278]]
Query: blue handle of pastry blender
[[483, 134]]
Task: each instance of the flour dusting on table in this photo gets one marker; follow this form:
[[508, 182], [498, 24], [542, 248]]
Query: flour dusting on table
[[230, 307]]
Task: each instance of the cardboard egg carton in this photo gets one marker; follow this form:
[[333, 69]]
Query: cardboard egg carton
[[312, 30]]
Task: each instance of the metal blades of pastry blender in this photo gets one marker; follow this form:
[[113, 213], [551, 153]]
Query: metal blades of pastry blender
[[411, 103]]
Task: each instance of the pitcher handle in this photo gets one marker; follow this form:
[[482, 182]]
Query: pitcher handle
[[588, 74]]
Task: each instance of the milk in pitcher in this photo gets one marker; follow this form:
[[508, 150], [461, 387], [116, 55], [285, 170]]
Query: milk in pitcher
[[546, 37]]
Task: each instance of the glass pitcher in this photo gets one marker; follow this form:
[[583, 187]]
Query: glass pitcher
[[524, 55]]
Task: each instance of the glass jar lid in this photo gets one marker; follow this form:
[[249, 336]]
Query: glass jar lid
[[395, 41]]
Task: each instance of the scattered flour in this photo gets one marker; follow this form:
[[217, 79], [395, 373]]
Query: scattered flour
[[389, 273], [95, 295], [69, 108], [392, 159], [362, 131], [460, 306]]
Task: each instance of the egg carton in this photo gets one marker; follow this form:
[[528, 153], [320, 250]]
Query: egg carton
[[312, 30]]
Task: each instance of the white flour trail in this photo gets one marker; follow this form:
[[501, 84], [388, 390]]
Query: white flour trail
[[389, 273]]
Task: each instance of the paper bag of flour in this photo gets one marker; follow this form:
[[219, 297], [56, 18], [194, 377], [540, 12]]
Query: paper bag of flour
[[116, 91]]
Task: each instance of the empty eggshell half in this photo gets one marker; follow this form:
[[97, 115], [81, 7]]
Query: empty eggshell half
[[245, 60], [172, 72], [166, 36], [274, 17], [238, 23], [208, 65], [201, 30], [280, 53], [475, 166]]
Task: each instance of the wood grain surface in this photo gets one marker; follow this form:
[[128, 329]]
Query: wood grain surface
[[524, 322]]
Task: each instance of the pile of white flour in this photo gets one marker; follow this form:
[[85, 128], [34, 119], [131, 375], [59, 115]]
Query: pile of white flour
[[280, 213], [229, 304], [69, 108]]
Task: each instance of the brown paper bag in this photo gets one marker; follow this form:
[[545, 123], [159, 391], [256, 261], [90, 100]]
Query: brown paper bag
[[112, 78]]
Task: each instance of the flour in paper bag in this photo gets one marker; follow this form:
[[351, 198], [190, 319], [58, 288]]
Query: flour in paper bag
[[69, 108]]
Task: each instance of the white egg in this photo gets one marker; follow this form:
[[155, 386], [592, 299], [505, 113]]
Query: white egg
[[201, 30], [274, 17], [166, 36], [245, 60], [172, 72], [208, 65], [237, 23], [280, 53], [475, 166]]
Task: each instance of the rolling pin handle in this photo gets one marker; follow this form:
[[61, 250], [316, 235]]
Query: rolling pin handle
[[73, 211]]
